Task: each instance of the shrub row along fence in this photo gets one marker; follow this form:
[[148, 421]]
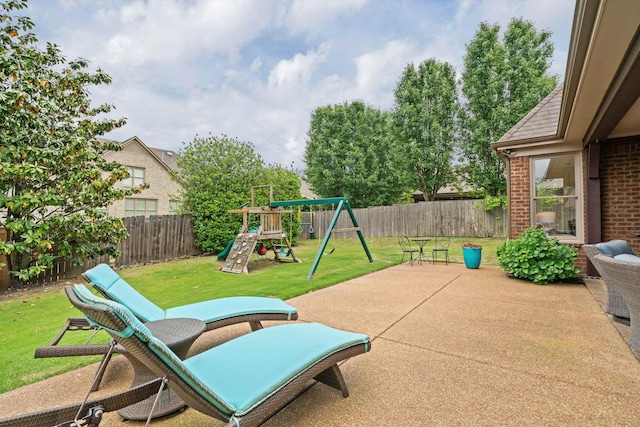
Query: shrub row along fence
[[455, 218], [151, 239]]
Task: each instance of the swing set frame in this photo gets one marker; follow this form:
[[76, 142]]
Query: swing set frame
[[343, 203]]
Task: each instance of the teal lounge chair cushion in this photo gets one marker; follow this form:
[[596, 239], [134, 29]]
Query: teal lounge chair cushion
[[238, 375], [116, 288], [135, 326], [259, 364], [222, 308], [111, 284]]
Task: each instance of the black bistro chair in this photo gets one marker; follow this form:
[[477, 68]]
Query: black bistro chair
[[441, 245], [405, 245]]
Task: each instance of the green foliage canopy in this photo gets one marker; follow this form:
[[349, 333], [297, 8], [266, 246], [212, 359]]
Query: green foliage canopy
[[349, 153], [217, 173], [501, 83], [54, 181], [425, 125]]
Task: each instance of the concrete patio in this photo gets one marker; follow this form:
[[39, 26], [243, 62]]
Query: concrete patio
[[451, 346]]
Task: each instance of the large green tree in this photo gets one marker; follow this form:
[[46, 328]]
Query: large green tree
[[425, 124], [349, 154], [54, 181], [217, 174], [501, 82]]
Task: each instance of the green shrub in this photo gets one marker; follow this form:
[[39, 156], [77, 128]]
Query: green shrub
[[534, 256]]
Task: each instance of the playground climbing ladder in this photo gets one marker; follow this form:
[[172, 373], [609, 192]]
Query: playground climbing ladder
[[240, 253]]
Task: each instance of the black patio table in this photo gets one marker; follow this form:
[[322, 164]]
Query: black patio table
[[421, 241]]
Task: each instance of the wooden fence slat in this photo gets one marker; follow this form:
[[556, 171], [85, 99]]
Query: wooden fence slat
[[151, 239], [456, 218]]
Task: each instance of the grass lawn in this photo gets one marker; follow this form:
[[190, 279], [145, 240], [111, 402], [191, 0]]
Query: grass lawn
[[32, 318]]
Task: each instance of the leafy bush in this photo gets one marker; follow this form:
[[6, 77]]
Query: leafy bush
[[534, 256]]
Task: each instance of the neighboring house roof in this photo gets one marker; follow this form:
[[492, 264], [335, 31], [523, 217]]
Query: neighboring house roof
[[541, 122], [154, 152], [305, 190], [168, 157]]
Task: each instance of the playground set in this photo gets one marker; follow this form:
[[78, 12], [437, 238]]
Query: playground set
[[238, 252]]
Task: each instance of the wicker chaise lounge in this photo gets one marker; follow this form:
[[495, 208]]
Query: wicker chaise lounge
[[216, 313], [615, 303], [243, 381], [626, 277]]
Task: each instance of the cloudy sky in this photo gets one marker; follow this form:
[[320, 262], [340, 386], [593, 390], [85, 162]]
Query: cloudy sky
[[255, 70]]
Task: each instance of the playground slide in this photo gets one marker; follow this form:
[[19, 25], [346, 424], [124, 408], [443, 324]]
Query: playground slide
[[223, 255]]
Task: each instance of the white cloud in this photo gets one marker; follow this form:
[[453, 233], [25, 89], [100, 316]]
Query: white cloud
[[309, 16], [256, 70], [379, 71], [298, 70], [138, 33]]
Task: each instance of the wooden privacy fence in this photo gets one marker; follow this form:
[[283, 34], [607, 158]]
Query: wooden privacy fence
[[160, 238], [155, 238], [456, 218]]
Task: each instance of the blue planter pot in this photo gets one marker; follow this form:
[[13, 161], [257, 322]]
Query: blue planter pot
[[472, 257]]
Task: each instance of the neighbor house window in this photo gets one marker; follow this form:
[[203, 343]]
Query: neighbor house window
[[140, 207], [557, 195], [136, 176], [173, 206]]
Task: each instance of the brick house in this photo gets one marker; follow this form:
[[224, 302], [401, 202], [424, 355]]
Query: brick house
[[573, 163], [146, 165]]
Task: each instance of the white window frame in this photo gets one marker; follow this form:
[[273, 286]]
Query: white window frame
[[140, 207], [578, 196], [137, 176]]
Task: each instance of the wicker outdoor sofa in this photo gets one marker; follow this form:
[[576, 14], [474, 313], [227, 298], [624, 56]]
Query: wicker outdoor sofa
[[616, 305], [626, 276]]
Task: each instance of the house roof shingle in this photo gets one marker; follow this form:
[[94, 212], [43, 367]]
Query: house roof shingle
[[168, 157], [540, 122]]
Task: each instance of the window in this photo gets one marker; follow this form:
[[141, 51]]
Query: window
[[557, 196], [136, 176], [173, 206], [139, 207]]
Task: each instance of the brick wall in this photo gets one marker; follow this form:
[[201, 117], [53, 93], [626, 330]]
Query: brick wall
[[620, 190], [519, 203]]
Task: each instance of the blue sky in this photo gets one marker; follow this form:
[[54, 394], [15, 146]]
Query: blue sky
[[255, 70]]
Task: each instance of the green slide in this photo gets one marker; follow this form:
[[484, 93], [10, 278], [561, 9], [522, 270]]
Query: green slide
[[223, 255]]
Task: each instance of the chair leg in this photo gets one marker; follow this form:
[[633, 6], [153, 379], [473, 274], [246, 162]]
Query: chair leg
[[333, 378], [255, 325]]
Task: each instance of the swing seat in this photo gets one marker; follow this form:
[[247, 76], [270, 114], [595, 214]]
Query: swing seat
[[282, 252]]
